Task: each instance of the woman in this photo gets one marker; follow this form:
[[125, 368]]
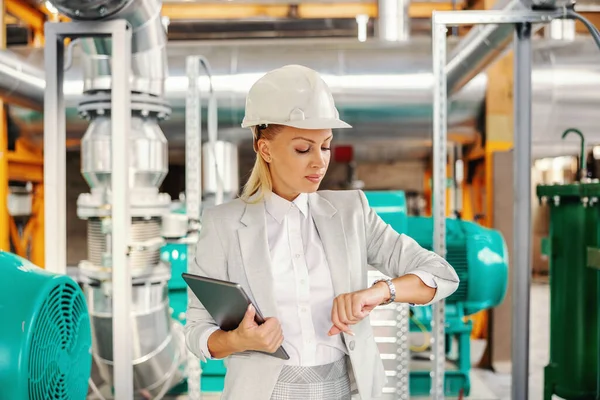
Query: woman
[[303, 258]]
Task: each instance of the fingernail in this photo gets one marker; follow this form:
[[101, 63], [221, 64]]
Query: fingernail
[[350, 333]]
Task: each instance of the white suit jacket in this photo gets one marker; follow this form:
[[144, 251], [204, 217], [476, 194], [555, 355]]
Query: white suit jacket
[[233, 246]]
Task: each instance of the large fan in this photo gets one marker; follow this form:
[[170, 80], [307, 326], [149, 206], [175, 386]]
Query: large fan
[[45, 338]]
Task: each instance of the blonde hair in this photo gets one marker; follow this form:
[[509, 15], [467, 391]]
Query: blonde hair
[[260, 182]]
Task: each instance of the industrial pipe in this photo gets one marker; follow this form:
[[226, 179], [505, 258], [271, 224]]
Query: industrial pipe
[[479, 48], [149, 40]]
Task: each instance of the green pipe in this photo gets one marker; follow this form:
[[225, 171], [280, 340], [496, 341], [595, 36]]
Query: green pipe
[[582, 157]]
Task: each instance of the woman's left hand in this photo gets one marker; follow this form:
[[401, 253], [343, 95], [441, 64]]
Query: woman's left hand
[[351, 308]]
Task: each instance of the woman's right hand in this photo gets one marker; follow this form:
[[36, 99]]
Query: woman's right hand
[[251, 336]]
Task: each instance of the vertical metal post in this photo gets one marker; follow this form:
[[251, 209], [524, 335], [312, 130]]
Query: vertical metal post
[[440, 126], [522, 216], [55, 167], [193, 139], [193, 192], [121, 220]]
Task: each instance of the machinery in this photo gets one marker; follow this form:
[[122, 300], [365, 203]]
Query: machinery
[[46, 337], [573, 371], [480, 258]]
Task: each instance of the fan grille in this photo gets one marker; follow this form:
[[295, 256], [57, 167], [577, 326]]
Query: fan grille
[[60, 353]]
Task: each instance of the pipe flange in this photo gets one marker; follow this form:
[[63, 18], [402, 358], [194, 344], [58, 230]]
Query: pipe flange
[[89, 11], [143, 104], [92, 274], [143, 203]]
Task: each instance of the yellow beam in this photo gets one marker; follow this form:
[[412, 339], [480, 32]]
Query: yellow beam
[[30, 16], [229, 11]]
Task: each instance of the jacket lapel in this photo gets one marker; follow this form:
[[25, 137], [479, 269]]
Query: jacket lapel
[[331, 231], [256, 258]]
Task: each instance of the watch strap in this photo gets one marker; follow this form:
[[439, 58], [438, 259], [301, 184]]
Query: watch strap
[[391, 287]]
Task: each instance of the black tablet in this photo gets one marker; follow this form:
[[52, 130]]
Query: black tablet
[[226, 302]]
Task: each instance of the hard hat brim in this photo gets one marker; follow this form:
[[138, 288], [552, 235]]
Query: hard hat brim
[[305, 124]]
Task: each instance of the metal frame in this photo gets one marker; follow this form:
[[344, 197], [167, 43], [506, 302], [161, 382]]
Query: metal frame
[[193, 191], [55, 175], [522, 179]]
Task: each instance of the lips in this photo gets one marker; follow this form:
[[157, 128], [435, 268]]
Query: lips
[[314, 178]]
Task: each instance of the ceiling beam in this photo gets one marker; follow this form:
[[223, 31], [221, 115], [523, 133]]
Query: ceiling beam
[[229, 11]]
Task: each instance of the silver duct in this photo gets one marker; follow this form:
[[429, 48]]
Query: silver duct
[[479, 48], [393, 20], [158, 351], [149, 40], [21, 82], [383, 88]]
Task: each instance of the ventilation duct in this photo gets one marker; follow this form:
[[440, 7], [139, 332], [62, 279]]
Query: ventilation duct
[[479, 48], [149, 40], [383, 88]]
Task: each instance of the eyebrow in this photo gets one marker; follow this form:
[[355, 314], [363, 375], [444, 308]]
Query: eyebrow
[[309, 140]]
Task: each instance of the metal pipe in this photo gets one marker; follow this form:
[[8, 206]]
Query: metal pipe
[[480, 47], [383, 88], [393, 21], [366, 79], [149, 40], [21, 82], [522, 215]]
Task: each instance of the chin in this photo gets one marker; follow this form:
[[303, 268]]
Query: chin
[[310, 187]]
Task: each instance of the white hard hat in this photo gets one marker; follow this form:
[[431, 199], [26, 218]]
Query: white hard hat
[[294, 96]]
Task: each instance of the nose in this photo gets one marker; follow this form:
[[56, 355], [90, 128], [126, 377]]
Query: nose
[[319, 160]]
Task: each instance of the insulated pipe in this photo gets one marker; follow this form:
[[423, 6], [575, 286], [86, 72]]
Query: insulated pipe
[[149, 40], [21, 82], [480, 47]]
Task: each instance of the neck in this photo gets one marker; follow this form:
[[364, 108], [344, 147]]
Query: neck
[[288, 195]]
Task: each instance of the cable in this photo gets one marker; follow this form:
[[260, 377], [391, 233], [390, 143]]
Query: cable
[[69, 55], [426, 341], [572, 14]]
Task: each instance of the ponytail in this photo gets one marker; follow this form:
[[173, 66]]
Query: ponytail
[[260, 182]]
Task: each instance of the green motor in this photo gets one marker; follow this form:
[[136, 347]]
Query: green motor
[[45, 338]]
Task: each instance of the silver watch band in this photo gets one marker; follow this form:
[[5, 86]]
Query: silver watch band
[[391, 287]]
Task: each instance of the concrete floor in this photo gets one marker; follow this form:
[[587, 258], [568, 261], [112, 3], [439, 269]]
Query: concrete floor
[[487, 385], [539, 340]]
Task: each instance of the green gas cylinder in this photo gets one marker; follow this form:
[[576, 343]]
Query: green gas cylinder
[[572, 371]]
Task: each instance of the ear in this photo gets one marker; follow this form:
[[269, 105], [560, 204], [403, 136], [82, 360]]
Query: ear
[[264, 149]]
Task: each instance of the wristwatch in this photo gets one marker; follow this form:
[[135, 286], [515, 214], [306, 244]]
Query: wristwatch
[[391, 287]]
